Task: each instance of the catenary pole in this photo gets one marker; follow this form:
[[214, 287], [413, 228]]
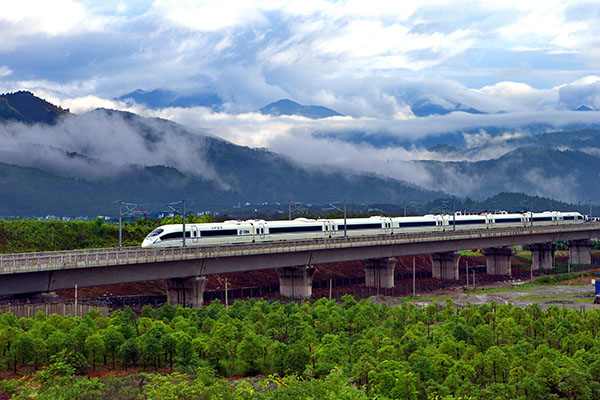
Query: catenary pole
[[183, 219], [454, 215], [120, 226], [345, 225]]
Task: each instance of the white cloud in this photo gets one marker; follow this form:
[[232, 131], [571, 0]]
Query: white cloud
[[25, 18], [583, 92], [5, 71], [210, 15], [353, 56]]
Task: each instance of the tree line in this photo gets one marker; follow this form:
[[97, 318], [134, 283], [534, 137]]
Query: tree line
[[346, 349]]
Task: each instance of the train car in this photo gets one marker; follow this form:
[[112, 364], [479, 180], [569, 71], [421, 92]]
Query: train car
[[254, 231], [470, 221]]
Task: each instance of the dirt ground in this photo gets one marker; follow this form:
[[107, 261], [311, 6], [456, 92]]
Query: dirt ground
[[577, 295]]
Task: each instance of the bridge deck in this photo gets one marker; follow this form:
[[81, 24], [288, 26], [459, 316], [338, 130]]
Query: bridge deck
[[74, 259]]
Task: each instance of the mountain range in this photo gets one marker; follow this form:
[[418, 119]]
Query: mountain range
[[289, 107], [217, 173], [90, 160]]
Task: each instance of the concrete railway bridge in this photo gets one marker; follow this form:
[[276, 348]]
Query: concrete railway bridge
[[185, 269]]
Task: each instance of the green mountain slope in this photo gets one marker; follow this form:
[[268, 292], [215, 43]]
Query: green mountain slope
[[23, 106]]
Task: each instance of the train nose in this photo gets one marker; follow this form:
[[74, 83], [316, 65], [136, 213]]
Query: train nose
[[146, 243]]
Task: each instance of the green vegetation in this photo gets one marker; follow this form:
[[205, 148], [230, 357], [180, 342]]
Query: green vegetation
[[327, 350], [548, 279], [26, 235], [470, 253]]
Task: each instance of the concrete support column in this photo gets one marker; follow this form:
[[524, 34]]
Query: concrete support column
[[296, 282], [497, 260], [542, 255], [580, 251], [188, 292], [445, 265], [379, 272]]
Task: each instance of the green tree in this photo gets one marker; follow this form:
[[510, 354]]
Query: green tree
[[113, 339], [94, 346], [392, 380]]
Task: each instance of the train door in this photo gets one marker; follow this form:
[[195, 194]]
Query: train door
[[261, 230], [387, 225], [332, 228], [194, 234], [327, 228]]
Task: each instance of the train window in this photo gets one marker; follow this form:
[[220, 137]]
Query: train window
[[542, 218], [219, 232], [568, 217], [419, 223], [360, 226], [175, 235], [156, 232], [291, 229], [508, 220], [467, 221]]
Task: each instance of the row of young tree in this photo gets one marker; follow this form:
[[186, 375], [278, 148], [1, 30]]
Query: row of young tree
[[30, 235], [372, 351]]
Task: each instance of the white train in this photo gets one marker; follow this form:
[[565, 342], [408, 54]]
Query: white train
[[251, 231]]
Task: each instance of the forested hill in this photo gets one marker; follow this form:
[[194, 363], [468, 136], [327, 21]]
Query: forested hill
[[23, 106]]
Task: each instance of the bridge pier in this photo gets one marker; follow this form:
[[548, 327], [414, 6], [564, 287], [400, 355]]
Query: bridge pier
[[379, 272], [188, 292], [497, 260], [580, 251], [542, 255], [296, 282], [445, 265]]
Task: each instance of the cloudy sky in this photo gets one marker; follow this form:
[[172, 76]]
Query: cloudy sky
[[521, 62]]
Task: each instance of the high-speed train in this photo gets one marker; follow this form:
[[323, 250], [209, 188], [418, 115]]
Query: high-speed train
[[251, 231]]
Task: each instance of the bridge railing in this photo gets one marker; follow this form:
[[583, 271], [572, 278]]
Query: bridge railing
[[32, 262]]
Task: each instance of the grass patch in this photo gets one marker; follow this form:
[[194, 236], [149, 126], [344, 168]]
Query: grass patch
[[550, 279], [524, 254], [543, 298], [470, 253]]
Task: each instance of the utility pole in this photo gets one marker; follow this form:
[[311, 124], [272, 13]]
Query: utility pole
[[531, 273], [467, 274], [75, 311], [531, 213], [334, 207], [345, 225], [414, 279], [454, 215], [120, 226], [183, 219], [289, 210], [405, 208], [226, 298]]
